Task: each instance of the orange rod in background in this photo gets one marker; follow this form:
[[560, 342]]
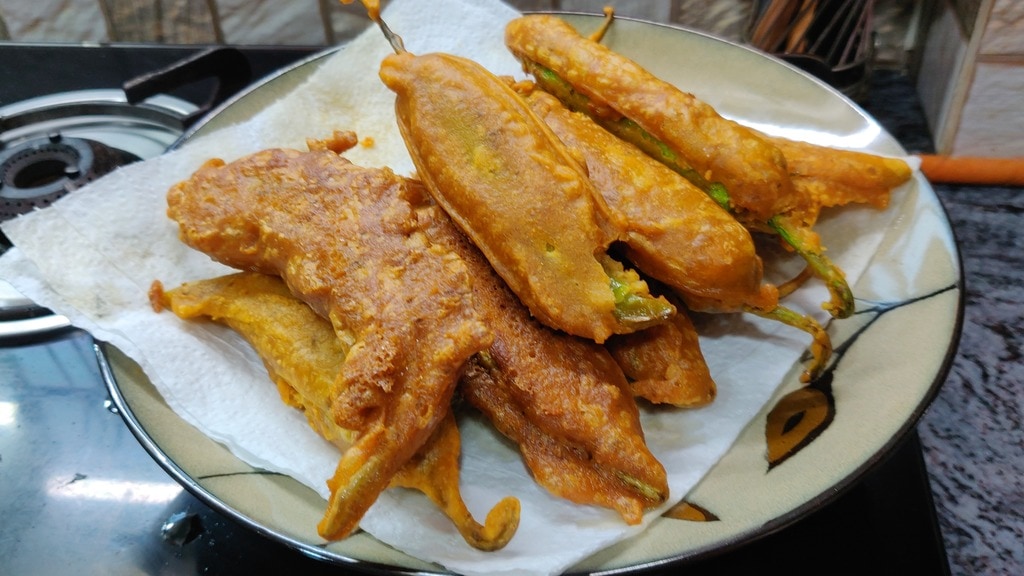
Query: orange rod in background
[[973, 170]]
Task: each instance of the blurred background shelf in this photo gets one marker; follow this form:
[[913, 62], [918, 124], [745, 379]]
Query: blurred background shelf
[[893, 42], [966, 57], [971, 76], [326, 22]]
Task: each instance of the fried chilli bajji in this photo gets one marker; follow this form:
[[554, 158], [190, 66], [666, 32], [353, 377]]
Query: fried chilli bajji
[[665, 364], [753, 171], [511, 186], [673, 231], [833, 177], [300, 350], [733, 164], [346, 242], [562, 399], [561, 464], [303, 356], [434, 470]]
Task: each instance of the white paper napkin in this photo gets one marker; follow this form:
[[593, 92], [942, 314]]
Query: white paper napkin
[[93, 255]]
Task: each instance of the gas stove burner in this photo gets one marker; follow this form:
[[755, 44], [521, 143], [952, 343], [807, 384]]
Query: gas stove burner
[[144, 129], [54, 144], [37, 172]]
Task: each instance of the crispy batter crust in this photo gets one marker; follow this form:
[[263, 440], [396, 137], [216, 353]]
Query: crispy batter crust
[[753, 170], [346, 241], [665, 364], [829, 177], [562, 399], [674, 232], [508, 183], [303, 356], [300, 350]]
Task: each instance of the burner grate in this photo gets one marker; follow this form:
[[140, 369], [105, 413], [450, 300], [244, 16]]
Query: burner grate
[[54, 144], [38, 172]]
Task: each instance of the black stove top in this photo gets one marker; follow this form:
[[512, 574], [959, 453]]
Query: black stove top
[[79, 494]]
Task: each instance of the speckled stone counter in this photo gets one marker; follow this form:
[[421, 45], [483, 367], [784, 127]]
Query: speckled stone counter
[[973, 433]]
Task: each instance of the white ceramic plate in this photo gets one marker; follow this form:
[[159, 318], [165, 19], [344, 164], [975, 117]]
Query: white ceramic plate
[[804, 448]]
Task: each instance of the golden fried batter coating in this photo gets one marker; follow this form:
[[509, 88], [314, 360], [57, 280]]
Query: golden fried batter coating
[[744, 171], [300, 350], [434, 470], [562, 399], [665, 364], [752, 169], [511, 186], [829, 177], [303, 355], [674, 232], [346, 241]]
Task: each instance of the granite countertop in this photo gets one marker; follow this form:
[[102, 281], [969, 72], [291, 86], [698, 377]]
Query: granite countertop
[[973, 432]]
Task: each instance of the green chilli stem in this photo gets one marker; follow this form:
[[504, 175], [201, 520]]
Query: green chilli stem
[[841, 304], [637, 309], [821, 343]]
